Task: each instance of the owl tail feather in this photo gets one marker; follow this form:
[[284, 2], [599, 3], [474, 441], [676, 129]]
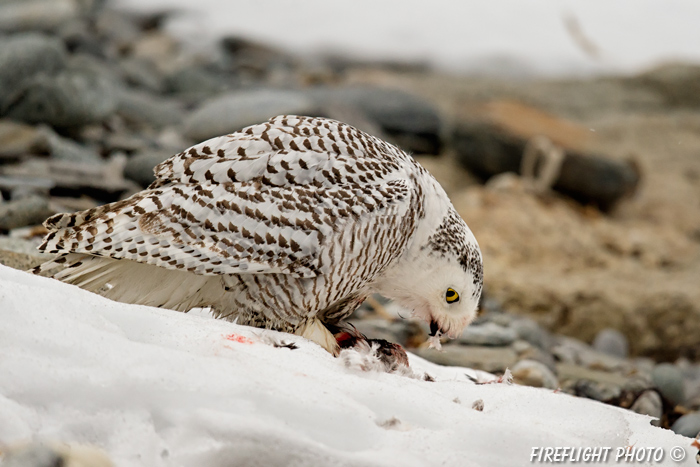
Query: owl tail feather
[[132, 282]]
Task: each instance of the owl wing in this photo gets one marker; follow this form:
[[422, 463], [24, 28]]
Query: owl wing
[[263, 200]]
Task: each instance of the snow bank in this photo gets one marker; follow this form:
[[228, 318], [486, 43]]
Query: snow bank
[[155, 387]]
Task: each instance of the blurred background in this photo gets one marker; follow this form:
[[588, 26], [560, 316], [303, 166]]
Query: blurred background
[[567, 134]]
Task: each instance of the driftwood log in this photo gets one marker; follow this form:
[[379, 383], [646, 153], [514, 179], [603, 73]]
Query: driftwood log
[[498, 142]]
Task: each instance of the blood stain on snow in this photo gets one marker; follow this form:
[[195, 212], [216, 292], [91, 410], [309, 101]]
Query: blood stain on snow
[[238, 338]]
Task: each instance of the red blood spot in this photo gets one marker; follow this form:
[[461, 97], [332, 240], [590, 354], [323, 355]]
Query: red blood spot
[[238, 338], [345, 339]]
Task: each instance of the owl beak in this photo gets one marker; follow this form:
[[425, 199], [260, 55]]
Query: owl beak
[[434, 328]]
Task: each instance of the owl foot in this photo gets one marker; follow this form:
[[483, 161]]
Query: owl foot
[[316, 331]]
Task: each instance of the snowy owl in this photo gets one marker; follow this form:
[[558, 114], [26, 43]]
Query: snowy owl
[[286, 225]]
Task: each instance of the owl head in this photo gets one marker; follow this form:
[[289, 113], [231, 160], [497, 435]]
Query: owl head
[[440, 281]]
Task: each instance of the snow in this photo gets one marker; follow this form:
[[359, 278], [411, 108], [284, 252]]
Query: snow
[[502, 36], [155, 387]]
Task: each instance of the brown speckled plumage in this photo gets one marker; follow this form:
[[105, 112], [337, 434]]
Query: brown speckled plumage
[[280, 223]]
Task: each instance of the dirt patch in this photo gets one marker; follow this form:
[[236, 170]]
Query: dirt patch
[[574, 269]]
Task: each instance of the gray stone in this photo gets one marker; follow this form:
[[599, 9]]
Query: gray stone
[[65, 149], [102, 181], [520, 346], [24, 56], [230, 112], [688, 425], [45, 15], [76, 96], [141, 74], [30, 210], [669, 380], [139, 167], [677, 83], [571, 372], [649, 403], [412, 123], [140, 108], [130, 143], [528, 330], [195, 82], [491, 359], [611, 342], [490, 305], [500, 318], [23, 246], [117, 27], [575, 351], [638, 384], [533, 373], [19, 261], [594, 390], [17, 139], [490, 334], [78, 36], [536, 354]]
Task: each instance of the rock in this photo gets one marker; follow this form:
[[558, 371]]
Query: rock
[[140, 108], [79, 38], [158, 47], [122, 142], [195, 82], [65, 149], [669, 380], [20, 261], [573, 350], [102, 181], [611, 342], [688, 425], [594, 390], [528, 330], [491, 359], [76, 96], [23, 56], [17, 139], [570, 372], [141, 74], [521, 346], [412, 123], [536, 354], [491, 306], [23, 246], [230, 112], [532, 373], [497, 317], [497, 142], [30, 210], [489, 334], [649, 403], [117, 27], [45, 15], [139, 167], [677, 83], [253, 58]]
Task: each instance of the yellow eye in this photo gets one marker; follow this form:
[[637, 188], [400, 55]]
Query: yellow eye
[[451, 296]]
